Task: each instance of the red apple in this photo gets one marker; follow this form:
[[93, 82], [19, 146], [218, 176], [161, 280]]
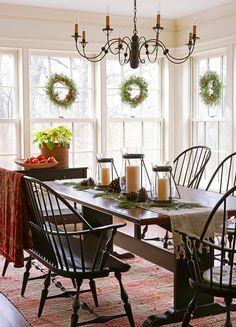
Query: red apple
[[51, 160], [35, 161], [40, 157], [43, 160], [31, 158], [27, 161]]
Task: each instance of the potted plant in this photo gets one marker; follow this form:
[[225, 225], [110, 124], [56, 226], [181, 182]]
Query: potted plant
[[54, 141]]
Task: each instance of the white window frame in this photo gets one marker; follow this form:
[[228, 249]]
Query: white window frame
[[17, 120], [91, 120]]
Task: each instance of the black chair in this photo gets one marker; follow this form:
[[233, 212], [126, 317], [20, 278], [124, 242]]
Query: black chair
[[224, 177], [189, 166], [78, 255], [188, 169], [208, 274]]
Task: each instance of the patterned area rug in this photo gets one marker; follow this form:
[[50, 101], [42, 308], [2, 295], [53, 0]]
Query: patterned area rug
[[150, 290]]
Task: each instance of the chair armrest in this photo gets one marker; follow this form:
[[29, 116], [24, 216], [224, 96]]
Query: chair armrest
[[100, 228]]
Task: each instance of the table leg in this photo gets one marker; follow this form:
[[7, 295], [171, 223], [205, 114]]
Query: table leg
[[98, 218], [183, 293]]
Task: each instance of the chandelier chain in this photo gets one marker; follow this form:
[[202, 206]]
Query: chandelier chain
[[135, 18]]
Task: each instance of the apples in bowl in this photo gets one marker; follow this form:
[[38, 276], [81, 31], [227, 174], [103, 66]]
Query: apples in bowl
[[38, 162]]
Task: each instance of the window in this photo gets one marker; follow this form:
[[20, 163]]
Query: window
[[9, 115], [209, 124], [79, 118], [139, 127]]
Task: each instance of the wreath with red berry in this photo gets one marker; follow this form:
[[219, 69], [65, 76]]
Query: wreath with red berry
[[57, 83], [210, 88], [131, 84]]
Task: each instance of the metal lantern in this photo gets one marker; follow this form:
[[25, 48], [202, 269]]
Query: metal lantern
[[105, 172], [163, 187], [134, 173]]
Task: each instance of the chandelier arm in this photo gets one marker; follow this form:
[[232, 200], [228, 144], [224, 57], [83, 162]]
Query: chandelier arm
[[96, 58], [112, 42], [173, 59], [183, 58], [146, 45]]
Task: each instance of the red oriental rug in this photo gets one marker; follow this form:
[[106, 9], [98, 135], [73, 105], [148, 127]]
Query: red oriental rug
[[150, 290]]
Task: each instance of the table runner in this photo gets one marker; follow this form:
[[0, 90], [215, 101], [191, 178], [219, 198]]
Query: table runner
[[191, 221]]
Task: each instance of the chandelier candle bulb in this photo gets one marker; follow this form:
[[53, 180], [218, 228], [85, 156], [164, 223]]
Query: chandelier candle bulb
[[158, 19], [107, 22], [190, 37], [194, 30], [76, 28], [132, 179], [163, 189], [84, 36], [105, 176]]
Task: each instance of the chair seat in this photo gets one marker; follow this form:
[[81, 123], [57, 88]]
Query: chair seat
[[216, 276]]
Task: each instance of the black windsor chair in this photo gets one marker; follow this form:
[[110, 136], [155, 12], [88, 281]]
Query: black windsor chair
[[78, 255], [224, 178], [218, 276], [189, 165], [188, 169]]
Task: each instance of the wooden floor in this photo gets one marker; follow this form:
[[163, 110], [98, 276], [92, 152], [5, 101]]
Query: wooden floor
[[9, 315]]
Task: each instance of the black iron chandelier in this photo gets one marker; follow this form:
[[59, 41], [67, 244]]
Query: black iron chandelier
[[134, 50]]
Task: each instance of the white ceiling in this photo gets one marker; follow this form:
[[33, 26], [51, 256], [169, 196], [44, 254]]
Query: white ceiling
[[170, 9]]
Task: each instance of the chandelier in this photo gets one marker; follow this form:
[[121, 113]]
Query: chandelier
[[134, 50]]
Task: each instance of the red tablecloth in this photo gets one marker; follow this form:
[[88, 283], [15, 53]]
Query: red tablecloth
[[14, 227]]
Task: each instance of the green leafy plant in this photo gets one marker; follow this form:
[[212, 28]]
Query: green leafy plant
[[51, 135]]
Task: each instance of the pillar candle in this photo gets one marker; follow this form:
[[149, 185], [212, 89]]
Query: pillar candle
[[133, 177], [105, 176], [163, 189]]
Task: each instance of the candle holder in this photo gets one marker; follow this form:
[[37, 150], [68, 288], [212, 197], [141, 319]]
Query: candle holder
[[105, 172], [134, 173], [163, 188]]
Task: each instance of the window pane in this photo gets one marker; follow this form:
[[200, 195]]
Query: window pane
[[115, 141], [83, 137], [7, 102], [8, 134], [133, 135]]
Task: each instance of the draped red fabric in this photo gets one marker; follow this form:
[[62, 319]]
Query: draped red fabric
[[14, 227]]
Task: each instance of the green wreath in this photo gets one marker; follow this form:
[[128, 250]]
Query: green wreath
[[126, 91], [210, 88], [54, 97]]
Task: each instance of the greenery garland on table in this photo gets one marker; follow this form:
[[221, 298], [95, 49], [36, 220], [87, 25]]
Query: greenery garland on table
[[71, 95], [210, 88], [126, 91], [125, 202]]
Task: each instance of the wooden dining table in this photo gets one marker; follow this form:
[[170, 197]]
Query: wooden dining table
[[101, 210]]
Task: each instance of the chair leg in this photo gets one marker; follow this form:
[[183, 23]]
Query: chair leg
[[124, 297], [5, 267], [44, 293], [190, 310], [26, 275], [94, 291], [76, 305], [228, 322]]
